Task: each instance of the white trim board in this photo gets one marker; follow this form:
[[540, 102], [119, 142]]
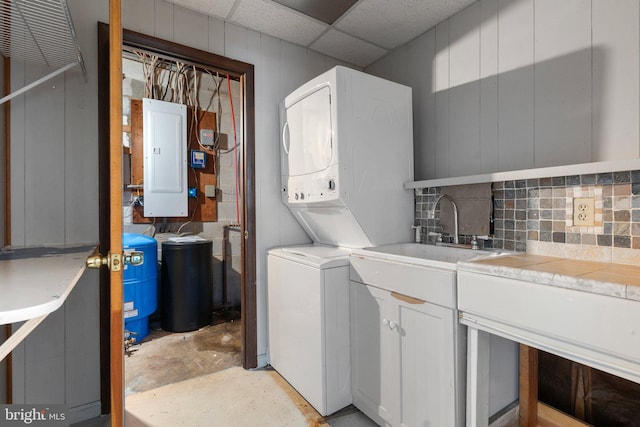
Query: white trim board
[[577, 169]]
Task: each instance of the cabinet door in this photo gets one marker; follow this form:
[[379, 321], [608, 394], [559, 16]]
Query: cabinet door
[[368, 388], [427, 364], [403, 359]]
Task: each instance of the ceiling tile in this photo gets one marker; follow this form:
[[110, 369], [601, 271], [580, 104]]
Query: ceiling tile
[[326, 11], [277, 21], [392, 23], [219, 8], [347, 48]]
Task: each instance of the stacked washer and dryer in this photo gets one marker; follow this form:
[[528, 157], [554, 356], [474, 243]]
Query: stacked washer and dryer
[[346, 151]]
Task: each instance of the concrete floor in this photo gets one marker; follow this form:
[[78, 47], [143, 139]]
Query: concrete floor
[[230, 398], [195, 379], [166, 358]]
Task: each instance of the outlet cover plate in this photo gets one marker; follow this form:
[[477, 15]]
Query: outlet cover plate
[[584, 211]]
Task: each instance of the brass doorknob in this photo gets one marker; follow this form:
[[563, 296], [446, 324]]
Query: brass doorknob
[[97, 261]]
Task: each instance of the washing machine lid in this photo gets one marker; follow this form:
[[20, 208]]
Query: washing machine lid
[[318, 256]]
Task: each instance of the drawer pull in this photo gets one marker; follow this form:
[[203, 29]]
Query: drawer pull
[[390, 323], [405, 298]]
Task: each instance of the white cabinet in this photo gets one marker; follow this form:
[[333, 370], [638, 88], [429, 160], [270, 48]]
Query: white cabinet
[[407, 353]]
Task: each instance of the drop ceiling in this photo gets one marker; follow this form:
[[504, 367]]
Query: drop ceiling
[[358, 32]]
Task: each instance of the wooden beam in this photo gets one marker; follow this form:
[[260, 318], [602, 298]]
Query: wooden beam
[[115, 202], [551, 417], [581, 391], [19, 335], [248, 224], [528, 386], [104, 215]]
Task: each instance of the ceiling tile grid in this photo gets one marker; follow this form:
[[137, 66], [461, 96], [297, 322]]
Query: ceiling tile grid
[[366, 32], [278, 21], [391, 23], [217, 8], [347, 48]]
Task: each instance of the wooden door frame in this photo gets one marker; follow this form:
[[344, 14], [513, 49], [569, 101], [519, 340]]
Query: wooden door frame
[[242, 71]]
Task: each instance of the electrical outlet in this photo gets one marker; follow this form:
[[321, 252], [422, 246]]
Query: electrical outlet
[[584, 211]]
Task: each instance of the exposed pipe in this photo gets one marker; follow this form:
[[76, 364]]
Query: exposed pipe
[[225, 240]]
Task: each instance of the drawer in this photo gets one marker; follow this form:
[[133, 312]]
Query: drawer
[[429, 284]]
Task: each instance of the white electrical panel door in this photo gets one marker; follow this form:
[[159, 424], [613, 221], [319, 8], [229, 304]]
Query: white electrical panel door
[[165, 158]]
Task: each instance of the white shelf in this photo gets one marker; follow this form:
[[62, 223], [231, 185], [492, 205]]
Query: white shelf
[[40, 32], [35, 282], [548, 172]]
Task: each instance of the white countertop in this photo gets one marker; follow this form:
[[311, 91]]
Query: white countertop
[[36, 281], [615, 280]]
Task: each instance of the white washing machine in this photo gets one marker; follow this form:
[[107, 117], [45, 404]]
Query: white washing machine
[[308, 300]]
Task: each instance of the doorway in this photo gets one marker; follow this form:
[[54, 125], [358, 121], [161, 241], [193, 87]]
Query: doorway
[[217, 70]]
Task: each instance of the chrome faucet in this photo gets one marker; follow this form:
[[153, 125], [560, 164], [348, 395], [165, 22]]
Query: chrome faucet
[[455, 214]]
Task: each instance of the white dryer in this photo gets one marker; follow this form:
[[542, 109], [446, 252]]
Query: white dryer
[[346, 152]]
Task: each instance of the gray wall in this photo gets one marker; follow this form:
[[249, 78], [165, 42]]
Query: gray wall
[[54, 183], [518, 84]]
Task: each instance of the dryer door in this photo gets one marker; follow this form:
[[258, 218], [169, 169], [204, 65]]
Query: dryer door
[[307, 134]]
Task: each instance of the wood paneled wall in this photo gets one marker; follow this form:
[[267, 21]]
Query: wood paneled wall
[[517, 84]]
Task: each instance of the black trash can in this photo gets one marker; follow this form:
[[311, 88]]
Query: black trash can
[[186, 291]]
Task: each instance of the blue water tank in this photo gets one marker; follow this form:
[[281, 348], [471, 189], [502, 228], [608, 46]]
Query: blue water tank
[[140, 284]]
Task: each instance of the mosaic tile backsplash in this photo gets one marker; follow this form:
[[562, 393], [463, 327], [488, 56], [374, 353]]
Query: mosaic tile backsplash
[[541, 210]]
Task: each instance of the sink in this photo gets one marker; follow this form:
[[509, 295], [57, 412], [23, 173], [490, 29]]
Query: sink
[[426, 272], [428, 255]]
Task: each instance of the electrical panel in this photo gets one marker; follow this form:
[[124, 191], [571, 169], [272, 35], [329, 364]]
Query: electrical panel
[[165, 159]]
